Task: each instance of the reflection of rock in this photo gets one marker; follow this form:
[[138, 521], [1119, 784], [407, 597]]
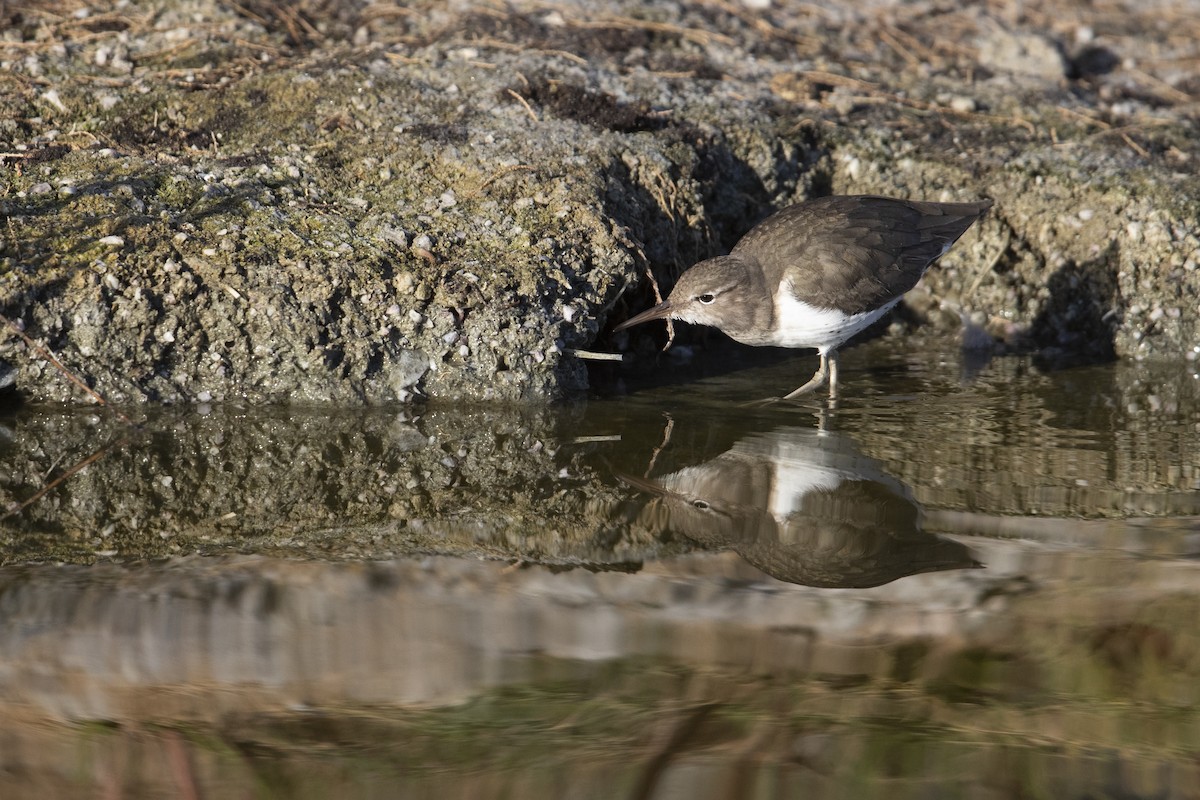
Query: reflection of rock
[[804, 507], [357, 484]]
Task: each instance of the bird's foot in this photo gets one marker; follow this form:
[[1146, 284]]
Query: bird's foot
[[826, 373], [817, 382], [766, 401]]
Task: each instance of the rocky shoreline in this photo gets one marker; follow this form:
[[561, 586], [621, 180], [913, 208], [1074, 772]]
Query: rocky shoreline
[[348, 203]]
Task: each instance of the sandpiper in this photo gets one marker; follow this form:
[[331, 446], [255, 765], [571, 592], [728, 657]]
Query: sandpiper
[[817, 273]]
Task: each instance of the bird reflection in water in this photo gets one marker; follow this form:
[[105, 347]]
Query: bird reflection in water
[[803, 506]]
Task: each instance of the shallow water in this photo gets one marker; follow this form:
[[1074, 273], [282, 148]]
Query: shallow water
[[955, 582]]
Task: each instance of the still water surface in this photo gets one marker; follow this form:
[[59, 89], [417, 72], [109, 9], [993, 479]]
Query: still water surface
[[949, 585]]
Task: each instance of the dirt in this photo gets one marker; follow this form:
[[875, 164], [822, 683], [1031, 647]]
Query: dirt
[[353, 203]]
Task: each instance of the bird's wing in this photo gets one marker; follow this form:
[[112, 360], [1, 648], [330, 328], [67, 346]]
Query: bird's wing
[[856, 253]]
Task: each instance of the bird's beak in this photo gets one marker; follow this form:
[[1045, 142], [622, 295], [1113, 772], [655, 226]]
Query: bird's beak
[[660, 311]]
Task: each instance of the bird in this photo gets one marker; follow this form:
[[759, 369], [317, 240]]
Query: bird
[[816, 273], [804, 506]]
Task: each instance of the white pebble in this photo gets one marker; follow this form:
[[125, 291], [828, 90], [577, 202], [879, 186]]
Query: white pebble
[[112, 241], [395, 236], [53, 99], [963, 105], [854, 168]]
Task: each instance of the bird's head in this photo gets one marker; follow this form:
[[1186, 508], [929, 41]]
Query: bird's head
[[712, 292]]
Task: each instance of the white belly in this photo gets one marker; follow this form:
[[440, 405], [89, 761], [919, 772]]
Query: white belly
[[802, 325]]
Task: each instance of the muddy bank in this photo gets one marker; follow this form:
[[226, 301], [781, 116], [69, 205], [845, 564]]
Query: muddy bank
[[371, 203]]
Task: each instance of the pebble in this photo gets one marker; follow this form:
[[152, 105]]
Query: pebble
[[963, 105], [395, 236]]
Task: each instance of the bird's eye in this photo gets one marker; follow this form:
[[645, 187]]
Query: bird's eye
[[701, 505], [706, 298]]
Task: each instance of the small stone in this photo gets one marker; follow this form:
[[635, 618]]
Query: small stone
[[53, 99], [394, 236], [963, 105], [854, 167]]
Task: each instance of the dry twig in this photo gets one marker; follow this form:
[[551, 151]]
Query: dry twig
[[47, 355], [525, 103]]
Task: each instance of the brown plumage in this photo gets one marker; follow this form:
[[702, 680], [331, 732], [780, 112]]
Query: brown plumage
[[816, 273]]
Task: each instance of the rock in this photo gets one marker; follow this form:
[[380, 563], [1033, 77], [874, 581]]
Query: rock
[[333, 219], [1020, 52]]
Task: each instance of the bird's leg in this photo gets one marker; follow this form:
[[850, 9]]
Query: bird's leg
[[826, 372], [817, 380], [833, 374]]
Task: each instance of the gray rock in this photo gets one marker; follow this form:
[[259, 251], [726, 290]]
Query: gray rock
[[405, 206]]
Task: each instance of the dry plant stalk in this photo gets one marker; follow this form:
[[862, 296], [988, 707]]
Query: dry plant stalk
[[47, 355], [75, 379]]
